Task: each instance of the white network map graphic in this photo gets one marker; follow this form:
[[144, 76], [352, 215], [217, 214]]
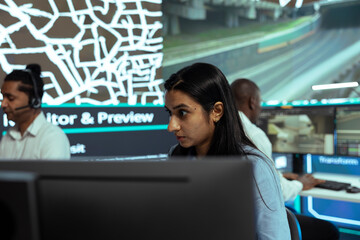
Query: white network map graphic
[[124, 63]]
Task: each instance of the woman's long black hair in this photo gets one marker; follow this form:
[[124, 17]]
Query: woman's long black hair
[[206, 84]]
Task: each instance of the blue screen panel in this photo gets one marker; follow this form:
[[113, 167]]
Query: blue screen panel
[[342, 213]]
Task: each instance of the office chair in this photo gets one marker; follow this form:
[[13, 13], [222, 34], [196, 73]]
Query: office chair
[[294, 225]]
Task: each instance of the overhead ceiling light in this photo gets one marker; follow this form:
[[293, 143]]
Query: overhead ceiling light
[[334, 86]]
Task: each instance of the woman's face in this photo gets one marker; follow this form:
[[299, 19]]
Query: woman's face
[[192, 126]]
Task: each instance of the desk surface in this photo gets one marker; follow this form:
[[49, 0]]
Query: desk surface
[[335, 195]]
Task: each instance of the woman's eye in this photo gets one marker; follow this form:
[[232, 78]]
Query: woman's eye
[[182, 113]]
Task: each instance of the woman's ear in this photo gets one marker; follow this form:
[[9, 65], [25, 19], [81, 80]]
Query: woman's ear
[[217, 111]]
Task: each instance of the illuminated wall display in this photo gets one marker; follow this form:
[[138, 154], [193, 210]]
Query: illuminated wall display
[[98, 52], [91, 53]]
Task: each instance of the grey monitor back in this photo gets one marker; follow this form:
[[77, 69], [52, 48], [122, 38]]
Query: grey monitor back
[[175, 199], [18, 206]]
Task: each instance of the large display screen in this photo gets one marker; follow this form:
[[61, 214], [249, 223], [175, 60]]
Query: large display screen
[[98, 52], [110, 130], [284, 50], [101, 64], [348, 130], [299, 130]]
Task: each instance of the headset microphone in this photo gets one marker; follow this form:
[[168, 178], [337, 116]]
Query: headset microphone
[[19, 108]]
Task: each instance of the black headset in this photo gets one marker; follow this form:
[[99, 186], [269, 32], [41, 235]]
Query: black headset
[[34, 101]]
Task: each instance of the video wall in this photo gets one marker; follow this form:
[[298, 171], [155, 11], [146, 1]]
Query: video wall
[[101, 64], [97, 52], [285, 53], [326, 130], [110, 53]]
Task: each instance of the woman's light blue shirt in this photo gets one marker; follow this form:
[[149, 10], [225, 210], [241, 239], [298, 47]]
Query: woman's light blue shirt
[[270, 214]]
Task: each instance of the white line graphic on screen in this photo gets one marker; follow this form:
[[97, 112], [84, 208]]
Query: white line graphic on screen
[[97, 52]]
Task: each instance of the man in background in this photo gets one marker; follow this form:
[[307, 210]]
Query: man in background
[[248, 102], [32, 137]]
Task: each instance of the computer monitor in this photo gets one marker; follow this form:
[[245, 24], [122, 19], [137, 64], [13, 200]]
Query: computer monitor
[[344, 214], [18, 206], [348, 131], [175, 199], [299, 129], [283, 161]]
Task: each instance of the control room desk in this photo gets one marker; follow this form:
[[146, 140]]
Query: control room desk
[[335, 195]]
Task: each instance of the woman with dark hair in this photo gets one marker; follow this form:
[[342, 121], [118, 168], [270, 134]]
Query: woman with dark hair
[[205, 121]]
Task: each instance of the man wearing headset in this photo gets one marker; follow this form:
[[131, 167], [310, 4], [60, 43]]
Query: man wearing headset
[[32, 137]]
